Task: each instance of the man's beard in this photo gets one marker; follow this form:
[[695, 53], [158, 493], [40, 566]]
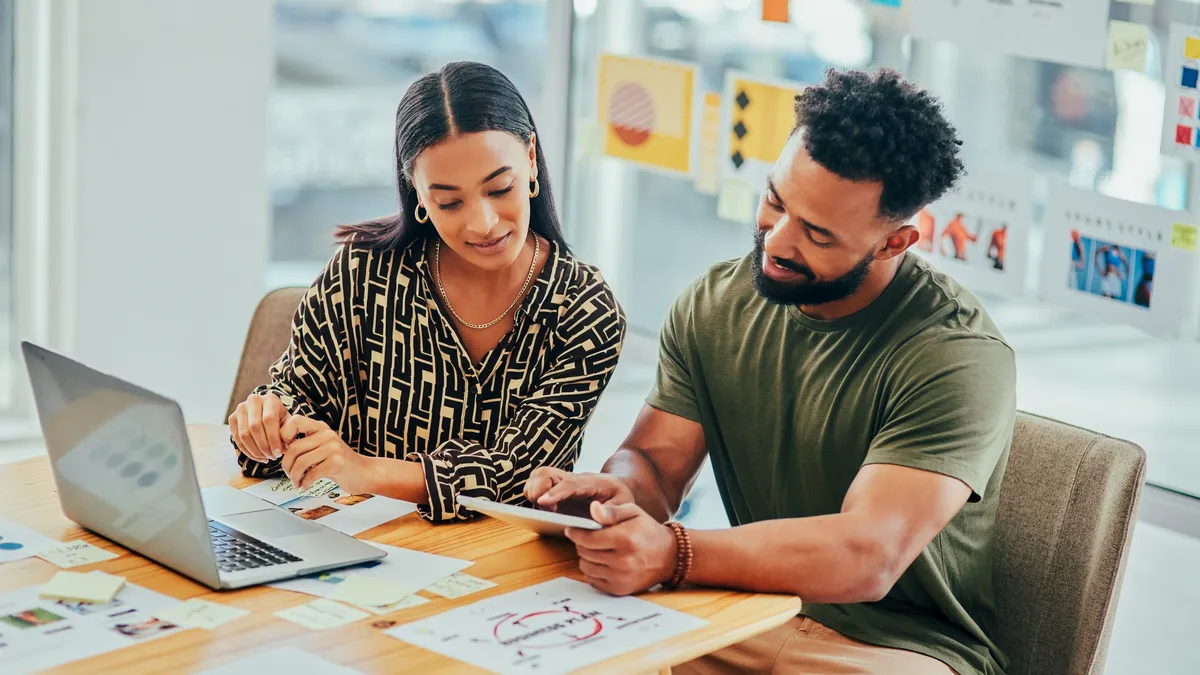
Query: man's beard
[[808, 291]]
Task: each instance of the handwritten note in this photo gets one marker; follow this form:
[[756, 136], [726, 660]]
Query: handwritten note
[[1184, 236], [1127, 43], [74, 554], [97, 587], [321, 614], [458, 585], [197, 613]]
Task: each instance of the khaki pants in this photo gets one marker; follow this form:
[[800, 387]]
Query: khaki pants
[[803, 646]]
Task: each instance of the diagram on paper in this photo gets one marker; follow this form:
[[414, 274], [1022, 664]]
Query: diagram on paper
[[554, 627], [1117, 260], [979, 234]]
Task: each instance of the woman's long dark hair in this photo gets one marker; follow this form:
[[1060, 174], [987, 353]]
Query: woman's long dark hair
[[463, 97]]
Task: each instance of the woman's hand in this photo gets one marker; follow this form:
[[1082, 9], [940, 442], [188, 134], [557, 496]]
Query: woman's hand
[[322, 453], [255, 426]]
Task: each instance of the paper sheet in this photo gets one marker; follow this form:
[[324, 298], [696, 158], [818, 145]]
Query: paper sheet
[[1127, 44], [1063, 31], [36, 634], [756, 123], [321, 614], [412, 570], [1118, 260], [645, 109], [708, 162], [287, 661], [736, 202], [18, 543], [327, 504], [459, 585], [979, 233], [75, 554], [1181, 125], [551, 628], [197, 613], [364, 591], [97, 587]]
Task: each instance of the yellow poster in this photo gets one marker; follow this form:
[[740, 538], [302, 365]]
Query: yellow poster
[[645, 109], [759, 119]]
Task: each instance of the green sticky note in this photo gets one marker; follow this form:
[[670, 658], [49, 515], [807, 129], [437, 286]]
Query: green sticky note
[[1184, 236]]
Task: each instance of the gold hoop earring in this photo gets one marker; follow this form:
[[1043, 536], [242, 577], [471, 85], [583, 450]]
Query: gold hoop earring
[[536, 189], [421, 214]]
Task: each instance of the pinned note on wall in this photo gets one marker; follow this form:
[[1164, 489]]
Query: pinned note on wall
[[775, 10], [1184, 237], [1127, 44], [708, 165], [736, 201]]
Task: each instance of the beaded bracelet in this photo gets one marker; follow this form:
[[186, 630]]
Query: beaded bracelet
[[683, 556]]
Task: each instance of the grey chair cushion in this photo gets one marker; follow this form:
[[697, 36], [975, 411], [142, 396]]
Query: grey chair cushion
[[1067, 510], [267, 340]]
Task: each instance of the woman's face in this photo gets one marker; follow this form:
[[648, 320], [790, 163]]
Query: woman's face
[[476, 190]]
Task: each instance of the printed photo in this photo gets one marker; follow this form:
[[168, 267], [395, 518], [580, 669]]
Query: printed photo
[[1143, 278], [1111, 268], [957, 235], [978, 241], [140, 631], [31, 618], [995, 251], [351, 500], [85, 608], [1081, 249], [317, 513]]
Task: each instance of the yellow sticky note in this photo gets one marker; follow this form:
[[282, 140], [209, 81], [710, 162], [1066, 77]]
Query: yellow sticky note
[[1191, 48], [458, 585], [1184, 236], [736, 201], [708, 168], [197, 613], [1127, 44], [97, 587], [367, 592], [321, 614]]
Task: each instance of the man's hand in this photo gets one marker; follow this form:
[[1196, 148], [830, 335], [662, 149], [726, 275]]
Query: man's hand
[[632, 553], [322, 454], [548, 488]]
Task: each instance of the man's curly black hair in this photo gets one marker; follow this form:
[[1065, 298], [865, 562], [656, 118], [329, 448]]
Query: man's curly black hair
[[874, 126]]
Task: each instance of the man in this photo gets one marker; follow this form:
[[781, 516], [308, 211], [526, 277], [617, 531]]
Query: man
[[857, 407]]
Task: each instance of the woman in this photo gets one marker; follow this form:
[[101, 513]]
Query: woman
[[456, 346]]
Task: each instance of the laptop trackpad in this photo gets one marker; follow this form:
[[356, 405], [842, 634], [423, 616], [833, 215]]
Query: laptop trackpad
[[270, 524]]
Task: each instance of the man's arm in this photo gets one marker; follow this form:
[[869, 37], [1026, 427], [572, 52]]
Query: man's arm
[[659, 460]]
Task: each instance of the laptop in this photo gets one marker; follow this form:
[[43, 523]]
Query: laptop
[[124, 470]]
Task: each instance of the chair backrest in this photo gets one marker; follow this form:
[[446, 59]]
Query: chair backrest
[[1067, 509], [267, 340]]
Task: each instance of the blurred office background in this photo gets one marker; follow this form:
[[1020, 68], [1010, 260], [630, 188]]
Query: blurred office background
[[164, 163]]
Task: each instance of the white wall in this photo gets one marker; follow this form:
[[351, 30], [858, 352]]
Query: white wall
[[170, 218]]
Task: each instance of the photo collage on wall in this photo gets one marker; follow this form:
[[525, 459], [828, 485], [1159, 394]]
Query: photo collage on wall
[[1118, 260], [979, 234]]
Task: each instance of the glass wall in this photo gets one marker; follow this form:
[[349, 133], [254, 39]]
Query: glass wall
[[1099, 130], [341, 68], [7, 313]]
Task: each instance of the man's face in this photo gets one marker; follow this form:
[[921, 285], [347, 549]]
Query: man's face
[[818, 234]]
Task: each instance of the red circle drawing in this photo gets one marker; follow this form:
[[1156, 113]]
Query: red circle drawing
[[631, 113], [545, 630]]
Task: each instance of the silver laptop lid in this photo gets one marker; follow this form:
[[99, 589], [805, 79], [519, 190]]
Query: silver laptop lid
[[122, 462]]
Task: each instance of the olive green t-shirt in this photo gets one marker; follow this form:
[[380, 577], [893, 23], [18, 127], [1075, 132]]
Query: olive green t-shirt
[[793, 407]]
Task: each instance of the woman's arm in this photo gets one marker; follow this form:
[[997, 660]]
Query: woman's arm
[[310, 378], [546, 428]]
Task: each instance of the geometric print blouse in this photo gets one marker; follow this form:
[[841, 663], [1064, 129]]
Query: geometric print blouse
[[373, 356]]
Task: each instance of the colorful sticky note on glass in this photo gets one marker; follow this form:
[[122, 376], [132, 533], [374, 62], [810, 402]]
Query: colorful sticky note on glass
[[889, 3], [1188, 77], [1127, 43], [1184, 236], [1187, 106], [736, 201], [775, 10], [97, 587], [1191, 48]]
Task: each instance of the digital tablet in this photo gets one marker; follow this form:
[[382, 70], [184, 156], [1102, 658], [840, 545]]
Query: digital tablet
[[546, 523]]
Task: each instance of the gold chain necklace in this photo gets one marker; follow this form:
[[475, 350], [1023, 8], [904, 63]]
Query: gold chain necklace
[[437, 264]]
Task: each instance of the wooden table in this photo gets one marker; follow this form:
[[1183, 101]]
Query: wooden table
[[509, 556]]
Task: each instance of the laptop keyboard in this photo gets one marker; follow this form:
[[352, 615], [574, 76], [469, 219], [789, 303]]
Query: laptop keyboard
[[237, 551]]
